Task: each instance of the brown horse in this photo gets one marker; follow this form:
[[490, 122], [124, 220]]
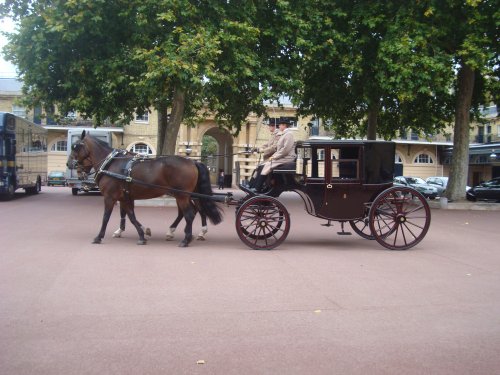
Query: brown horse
[[125, 178]]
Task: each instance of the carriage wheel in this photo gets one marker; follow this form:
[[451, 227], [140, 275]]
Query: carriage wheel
[[262, 223], [399, 218], [362, 227]]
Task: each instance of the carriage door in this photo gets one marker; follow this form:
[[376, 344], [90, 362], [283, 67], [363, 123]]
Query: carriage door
[[314, 168], [342, 184]]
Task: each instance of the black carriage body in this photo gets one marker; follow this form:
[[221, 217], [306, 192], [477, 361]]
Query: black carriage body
[[337, 178], [344, 181]]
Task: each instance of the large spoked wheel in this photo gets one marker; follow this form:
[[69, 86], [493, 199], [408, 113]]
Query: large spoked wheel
[[399, 218], [262, 223]]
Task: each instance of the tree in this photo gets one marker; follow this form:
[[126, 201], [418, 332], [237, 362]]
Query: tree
[[367, 69], [111, 59], [379, 67], [467, 34]]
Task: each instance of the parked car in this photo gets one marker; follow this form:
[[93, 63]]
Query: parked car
[[489, 190], [418, 184], [56, 178], [440, 183]]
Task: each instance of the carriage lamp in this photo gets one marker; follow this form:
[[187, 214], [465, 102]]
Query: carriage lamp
[[188, 150], [493, 156]]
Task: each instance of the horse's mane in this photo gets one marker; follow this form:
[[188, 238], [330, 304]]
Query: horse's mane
[[99, 141]]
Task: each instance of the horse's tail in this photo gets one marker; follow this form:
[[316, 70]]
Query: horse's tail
[[207, 206]]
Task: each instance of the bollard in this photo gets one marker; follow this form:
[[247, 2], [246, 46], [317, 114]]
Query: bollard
[[443, 202]]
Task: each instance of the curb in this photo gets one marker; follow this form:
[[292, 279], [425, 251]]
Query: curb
[[465, 205]]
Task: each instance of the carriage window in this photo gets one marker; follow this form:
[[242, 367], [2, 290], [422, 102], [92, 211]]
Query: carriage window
[[318, 163], [303, 165], [345, 163]]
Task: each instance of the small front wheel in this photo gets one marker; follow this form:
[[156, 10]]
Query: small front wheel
[[262, 223], [74, 191], [362, 227], [399, 218]]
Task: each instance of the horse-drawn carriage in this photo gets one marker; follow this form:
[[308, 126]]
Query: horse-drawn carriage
[[343, 181]]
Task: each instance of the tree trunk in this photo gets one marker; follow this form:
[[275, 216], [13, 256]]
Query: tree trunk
[[460, 157], [168, 128], [371, 131], [162, 125]]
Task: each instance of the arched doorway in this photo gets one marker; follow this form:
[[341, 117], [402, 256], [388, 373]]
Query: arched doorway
[[217, 153]]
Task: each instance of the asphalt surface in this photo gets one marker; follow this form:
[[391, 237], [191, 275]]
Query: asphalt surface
[[319, 304]]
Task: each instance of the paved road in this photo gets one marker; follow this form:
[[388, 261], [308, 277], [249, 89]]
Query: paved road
[[319, 304]]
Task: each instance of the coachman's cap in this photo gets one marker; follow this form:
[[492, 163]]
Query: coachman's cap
[[284, 121]]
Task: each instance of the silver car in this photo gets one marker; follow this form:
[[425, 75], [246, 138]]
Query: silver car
[[418, 184], [440, 183]]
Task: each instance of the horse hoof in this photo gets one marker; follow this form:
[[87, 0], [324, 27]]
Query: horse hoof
[[200, 238], [96, 241], [183, 244], [116, 235], [142, 242], [147, 232], [169, 238]]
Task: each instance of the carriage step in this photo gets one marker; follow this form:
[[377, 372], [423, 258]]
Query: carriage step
[[343, 232]]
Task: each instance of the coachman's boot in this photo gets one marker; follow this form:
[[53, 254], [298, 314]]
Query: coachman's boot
[[259, 181]]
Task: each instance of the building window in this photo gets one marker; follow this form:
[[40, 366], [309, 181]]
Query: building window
[[398, 159], [59, 146], [19, 111], [50, 112], [423, 159], [142, 148], [37, 115], [144, 118]]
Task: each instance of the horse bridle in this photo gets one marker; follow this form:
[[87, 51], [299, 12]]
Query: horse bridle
[[83, 167]]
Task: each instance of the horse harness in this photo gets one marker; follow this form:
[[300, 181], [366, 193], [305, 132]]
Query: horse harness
[[127, 169]]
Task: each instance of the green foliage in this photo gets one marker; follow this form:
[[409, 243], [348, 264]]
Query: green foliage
[[373, 56], [209, 147], [109, 59], [358, 63]]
